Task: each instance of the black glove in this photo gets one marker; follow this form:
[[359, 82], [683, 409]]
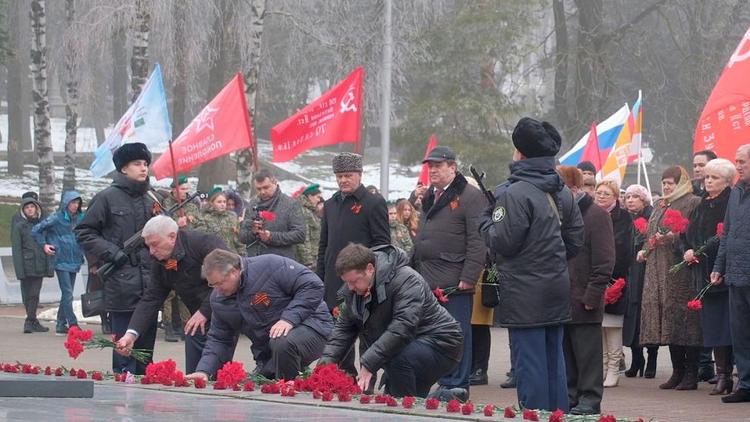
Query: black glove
[[120, 259]]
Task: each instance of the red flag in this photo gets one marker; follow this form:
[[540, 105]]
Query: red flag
[[724, 124], [333, 118], [222, 127], [591, 151], [424, 175]]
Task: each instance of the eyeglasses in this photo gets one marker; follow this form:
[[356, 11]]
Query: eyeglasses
[[603, 194]]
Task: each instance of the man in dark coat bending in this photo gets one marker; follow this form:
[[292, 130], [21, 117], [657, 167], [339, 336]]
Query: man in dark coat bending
[[398, 320], [178, 256], [276, 302], [534, 227]]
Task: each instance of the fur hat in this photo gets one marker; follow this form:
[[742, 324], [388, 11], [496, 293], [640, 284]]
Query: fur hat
[[347, 162], [130, 152], [536, 139]]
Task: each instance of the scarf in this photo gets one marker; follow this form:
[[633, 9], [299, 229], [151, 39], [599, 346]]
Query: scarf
[[684, 187], [270, 203]]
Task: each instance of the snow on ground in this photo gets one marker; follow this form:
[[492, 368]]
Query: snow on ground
[[314, 166]]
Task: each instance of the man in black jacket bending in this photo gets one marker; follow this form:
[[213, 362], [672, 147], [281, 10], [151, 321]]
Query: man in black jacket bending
[[178, 256], [399, 322], [532, 230]]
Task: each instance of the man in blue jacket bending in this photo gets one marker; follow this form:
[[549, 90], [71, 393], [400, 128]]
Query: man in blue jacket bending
[[276, 302]]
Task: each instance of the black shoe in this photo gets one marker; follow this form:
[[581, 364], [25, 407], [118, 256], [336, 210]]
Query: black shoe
[[170, 336], [650, 371], [706, 373], [61, 331], [584, 409], [740, 396], [510, 382], [636, 367], [37, 327], [448, 394], [27, 327], [479, 377]]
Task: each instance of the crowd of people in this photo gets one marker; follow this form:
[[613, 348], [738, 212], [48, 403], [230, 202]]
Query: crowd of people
[[576, 268]]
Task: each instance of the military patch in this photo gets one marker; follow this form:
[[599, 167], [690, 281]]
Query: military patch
[[498, 214]]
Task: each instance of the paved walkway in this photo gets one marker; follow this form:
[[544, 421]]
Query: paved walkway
[[635, 397]]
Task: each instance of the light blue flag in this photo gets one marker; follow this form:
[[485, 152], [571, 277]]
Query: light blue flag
[[146, 121]]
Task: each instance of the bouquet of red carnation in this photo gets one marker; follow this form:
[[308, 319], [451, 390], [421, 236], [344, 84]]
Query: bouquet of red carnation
[[672, 222], [231, 374], [442, 294], [614, 291], [165, 373], [78, 340], [326, 378], [641, 227], [701, 251]]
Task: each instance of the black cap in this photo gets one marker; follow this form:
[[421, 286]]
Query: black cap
[[439, 154]]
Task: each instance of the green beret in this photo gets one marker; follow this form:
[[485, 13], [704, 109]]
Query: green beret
[[214, 191], [181, 180], [313, 189]]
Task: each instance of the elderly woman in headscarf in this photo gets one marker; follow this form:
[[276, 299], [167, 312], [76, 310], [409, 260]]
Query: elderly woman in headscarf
[[665, 318], [638, 204], [704, 221]]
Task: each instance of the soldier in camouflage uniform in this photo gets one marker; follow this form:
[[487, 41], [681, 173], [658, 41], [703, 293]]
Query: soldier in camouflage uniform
[[216, 220], [399, 233], [186, 215], [307, 252]]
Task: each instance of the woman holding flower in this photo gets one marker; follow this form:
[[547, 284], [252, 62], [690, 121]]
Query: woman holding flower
[[702, 234], [607, 197], [665, 318], [638, 203]]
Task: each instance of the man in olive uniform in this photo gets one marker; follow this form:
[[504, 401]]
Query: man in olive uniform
[[307, 252]]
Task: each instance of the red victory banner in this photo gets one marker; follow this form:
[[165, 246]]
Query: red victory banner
[[222, 127], [724, 124], [424, 175], [333, 118]]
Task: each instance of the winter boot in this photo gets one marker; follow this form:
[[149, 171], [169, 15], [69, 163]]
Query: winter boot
[[653, 354], [724, 382], [690, 380], [677, 354]]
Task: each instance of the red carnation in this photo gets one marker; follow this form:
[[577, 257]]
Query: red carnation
[[97, 376], [614, 292], [489, 410], [81, 374], [199, 383], [58, 372], [390, 401], [467, 408], [73, 372], [440, 295], [316, 394], [453, 406], [557, 416], [431, 403], [365, 399], [327, 396], [231, 374], [380, 399], [35, 370], [509, 413], [674, 221], [408, 402], [720, 229], [25, 368], [530, 415], [641, 225], [607, 418], [695, 305], [249, 386], [267, 215], [345, 397], [48, 371], [146, 381]]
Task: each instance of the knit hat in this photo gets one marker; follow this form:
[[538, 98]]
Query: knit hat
[[181, 180], [536, 139], [313, 189], [131, 152], [30, 194], [640, 192], [587, 166], [347, 162]]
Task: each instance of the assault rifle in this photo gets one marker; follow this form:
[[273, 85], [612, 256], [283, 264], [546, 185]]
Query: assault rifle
[[135, 242], [479, 177]]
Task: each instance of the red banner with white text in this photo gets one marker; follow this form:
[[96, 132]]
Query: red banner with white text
[[724, 124], [333, 118], [222, 127]]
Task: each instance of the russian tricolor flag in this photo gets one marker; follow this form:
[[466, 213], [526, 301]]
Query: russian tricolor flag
[[607, 133]]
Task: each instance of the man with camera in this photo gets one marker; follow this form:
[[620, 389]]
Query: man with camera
[[276, 224], [114, 216]]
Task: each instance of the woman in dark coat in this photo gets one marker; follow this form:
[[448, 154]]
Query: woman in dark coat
[[719, 175], [607, 197], [638, 203]]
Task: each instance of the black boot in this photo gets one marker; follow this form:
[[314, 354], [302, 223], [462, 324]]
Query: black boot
[[653, 354], [706, 371], [677, 354], [479, 377], [724, 382], [690, 380], [637, 364], [169, 334]]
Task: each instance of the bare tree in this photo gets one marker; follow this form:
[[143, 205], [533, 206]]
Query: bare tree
[[251, 75], [42, 136], [139, 62], [71, 98], [19, 136]]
